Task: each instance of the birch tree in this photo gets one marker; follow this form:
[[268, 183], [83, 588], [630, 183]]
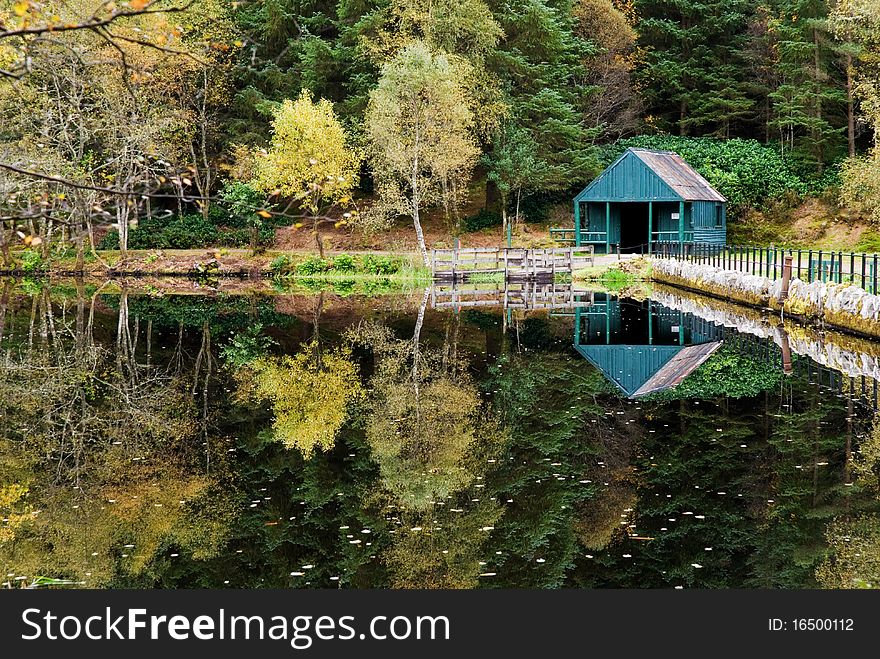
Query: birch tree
[[419, 129]]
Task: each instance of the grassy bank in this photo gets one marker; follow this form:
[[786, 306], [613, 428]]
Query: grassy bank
[[617, 275], [814, 223], [222, 262]]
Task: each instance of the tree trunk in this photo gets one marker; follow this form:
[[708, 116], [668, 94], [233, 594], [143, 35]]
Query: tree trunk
[[516, 214], [255, 239], [420, 236], [820, 151], [504, 218], [122, 223], [416, 200], [682, 115], [80, 251], [4, 246], [318, 241], [850, 109]]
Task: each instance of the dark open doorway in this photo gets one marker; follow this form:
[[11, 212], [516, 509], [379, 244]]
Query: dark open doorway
[[633, 227]]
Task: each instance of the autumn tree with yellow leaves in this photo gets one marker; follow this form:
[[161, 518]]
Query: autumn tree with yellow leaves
[[310, 161]]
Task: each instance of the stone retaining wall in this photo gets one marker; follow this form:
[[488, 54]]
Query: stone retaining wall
[[840, 305]]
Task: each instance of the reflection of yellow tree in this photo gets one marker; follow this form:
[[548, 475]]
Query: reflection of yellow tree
[[599, 517], [93, 534], [855, 554], [310, 393], [442, 547], [423, 418]]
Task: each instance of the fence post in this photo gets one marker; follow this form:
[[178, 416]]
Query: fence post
[[786, 277], [863, 272], [874, 277]]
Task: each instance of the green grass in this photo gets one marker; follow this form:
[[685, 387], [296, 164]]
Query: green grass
[[486, 278], [625, 273], [617, 279], [406, 273]]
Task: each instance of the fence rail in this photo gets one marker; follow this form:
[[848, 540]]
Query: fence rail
[[859, 269], [512, 263]]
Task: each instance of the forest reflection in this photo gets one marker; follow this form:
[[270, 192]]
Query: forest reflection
[[325, 441]]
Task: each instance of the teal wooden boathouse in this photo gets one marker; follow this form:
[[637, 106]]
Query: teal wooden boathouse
[[646, 199]]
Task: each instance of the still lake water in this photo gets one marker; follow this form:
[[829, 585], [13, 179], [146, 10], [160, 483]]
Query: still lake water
[[425, 441]]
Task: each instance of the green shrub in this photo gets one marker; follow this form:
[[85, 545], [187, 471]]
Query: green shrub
[[240, 201], [313, 265], [747, 172], [344, 263], [481, 220], [375, 264], [185, 232], [280, 264], [31, 261]]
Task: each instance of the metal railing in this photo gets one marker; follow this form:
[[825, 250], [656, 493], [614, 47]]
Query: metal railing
[[857, 268], [568, 236]]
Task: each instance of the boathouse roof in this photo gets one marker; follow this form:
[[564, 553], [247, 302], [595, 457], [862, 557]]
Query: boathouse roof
[[648, 174]]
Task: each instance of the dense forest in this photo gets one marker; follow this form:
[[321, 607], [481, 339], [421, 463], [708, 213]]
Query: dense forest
[[185, 124]]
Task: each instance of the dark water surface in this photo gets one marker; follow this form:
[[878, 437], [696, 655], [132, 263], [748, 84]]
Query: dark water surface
[[325, 441]]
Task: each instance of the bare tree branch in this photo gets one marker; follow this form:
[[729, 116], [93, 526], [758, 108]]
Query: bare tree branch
[[93, 21], [144, 194]]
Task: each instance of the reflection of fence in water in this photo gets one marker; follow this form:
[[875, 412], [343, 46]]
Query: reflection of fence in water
[[510, 295], [861, 388]]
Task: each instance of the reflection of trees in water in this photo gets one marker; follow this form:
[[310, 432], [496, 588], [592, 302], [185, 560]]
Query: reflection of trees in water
[[423, 414], [511, 480], [735, 492], [431, 437], [105, 441], [853, 536], [311, 392], [564, 471]]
